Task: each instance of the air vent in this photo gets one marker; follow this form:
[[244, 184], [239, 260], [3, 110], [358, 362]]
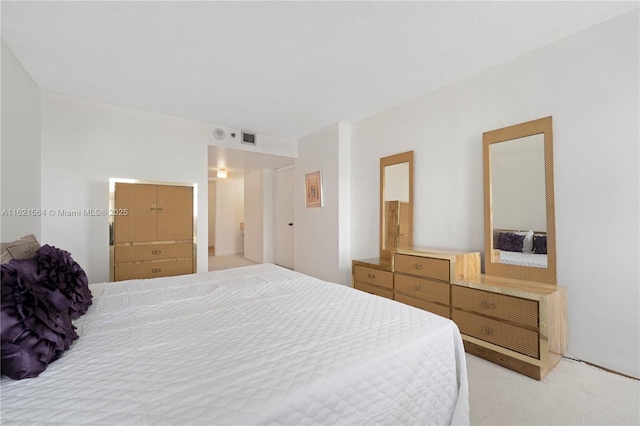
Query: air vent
[[249, 138]]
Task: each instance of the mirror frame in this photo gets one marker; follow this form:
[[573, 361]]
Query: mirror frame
[[534, 127], [404, 157]]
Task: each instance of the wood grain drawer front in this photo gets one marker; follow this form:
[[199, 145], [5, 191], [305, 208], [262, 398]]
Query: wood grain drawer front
[[427, 267], [510, 308], [144, 252], [421, 288], [443, 311], [374, 276], [373, 290], [130, 271], [508, 336]]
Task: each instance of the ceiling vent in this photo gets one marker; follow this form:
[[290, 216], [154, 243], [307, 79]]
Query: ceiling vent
[[249, 138]]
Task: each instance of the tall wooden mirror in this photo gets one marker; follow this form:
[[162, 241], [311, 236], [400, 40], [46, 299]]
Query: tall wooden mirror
[[519, 214], [396, 203]]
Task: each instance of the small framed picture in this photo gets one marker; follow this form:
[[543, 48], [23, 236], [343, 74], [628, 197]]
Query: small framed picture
[[313, 189]]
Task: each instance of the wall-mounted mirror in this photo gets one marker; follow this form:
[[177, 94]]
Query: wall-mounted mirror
[[519, 202], [396, 203]]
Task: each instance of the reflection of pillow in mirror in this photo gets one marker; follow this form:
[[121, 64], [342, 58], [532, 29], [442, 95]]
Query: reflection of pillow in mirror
[[510, 241], [527, 245], [540, 244]]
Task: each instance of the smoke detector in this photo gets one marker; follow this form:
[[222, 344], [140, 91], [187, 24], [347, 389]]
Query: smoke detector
[[219, 133]]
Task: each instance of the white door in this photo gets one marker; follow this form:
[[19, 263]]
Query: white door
[[283, 217]]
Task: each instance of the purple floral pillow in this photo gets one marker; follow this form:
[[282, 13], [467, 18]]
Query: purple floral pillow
[[63, 277], [509, 241], [34, 332], [540, 244]]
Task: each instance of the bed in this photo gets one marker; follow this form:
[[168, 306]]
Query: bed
[[523, 248], [533, 260], [254, 345]]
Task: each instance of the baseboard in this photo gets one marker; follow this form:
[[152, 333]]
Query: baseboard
[[600, 367]]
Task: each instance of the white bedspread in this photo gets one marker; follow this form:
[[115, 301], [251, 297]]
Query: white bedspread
[[523, 259], [253, 345]]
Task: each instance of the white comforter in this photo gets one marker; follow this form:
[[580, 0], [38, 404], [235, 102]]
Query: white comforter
[[253, 345], [523, 259]]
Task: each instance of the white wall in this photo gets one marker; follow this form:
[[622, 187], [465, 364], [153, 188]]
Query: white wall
[[20, 149], [258, 225], [212, 213], [321, 238], [84, 143], [396, 182], [229, 214], [518, 185], [589, 84]]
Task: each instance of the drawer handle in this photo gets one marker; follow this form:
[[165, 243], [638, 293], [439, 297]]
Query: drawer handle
[[372, 276], [155, 270], [418, 266], [488, 305], [156, 251], [153, 208], [488, 330], [419, 287]]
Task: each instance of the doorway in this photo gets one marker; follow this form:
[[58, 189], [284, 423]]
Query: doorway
[[283, 217]]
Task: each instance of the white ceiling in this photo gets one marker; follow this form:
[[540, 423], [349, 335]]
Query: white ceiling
[[280, 68], [238, 162]]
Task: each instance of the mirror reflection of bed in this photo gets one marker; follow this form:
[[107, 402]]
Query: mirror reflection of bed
[[525, 253], [518, 202]]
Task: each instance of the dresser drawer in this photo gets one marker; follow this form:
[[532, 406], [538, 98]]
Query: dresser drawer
[[130, 271], [421, 288], [510, 308], [427, 267], [374, 276], [508, 336], [373, 290], [443, 311], [144, 252]]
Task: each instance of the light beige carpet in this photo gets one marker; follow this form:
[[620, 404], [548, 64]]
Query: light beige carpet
[[217, 263], [573, 393]]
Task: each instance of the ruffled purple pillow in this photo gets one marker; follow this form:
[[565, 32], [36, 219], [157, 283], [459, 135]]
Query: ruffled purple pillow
[[509, 241], [62, 276], [540, 244], [34, 332]]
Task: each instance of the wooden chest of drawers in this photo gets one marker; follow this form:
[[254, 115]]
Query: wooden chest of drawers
[[422, 277], [373, 276], [153, 234], [518, 324], [138, 261], [416, 277]]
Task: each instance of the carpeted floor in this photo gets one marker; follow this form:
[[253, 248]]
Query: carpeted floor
[[217, 263], [573, 393]]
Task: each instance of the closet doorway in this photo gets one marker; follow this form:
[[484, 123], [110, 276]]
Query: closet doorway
[[283, 217]]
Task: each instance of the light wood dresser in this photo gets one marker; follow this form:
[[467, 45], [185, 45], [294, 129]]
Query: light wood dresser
[[520, 325], [422, 277], [373, 276], [155, 236]]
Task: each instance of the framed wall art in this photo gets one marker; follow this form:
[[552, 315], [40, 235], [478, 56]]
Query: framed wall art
[[313, 189]]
